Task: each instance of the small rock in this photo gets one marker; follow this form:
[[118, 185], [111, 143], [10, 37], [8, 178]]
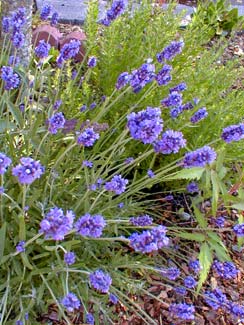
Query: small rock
[[47, 33]]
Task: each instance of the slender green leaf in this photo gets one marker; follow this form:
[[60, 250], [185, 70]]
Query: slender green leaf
[[191, 173], [200, 217], [215, 193], [205, 259], [2, 239], [190, 236], [238, 206]]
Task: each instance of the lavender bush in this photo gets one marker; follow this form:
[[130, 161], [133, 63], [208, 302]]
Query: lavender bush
[[75, 216]]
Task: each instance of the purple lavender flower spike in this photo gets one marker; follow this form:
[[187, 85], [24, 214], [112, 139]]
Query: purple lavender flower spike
[[180, 87], [90, 319], [183, 311], [28, 170], [5, 162], [71, 302], [174, 99], [239, 230], [92, 62], [113, 299], [192, 187], [199, 158], [56, 224], [10, 78], [69, 258], [190, 282], [233, 133], [42, 49], [149, 240], [100, 281], [226, 270], [54, 19], [215, 298], [20, 247], [170, 51], [141, 221], [172, 273], [68, 51], [56, 122], [117, 9], [142, 76], [45, 12], [163, 76], [88, 137], [90, 226], [123, 80], [145, 125], [199, 115], [170, 142], [116, 185]]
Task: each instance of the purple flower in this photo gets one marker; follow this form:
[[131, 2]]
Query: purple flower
[[233, 133], [236, 310], [187, 106], [18, 39], [83, 108], [239, 230], [54, 19], [194, 266], [42, 49], [129, 160], [170, 142], [57, 104], [226, 270], [141, 221], [163, 76], [149, 240], [90, 226], [92, 187], [192, 187], [56, 225], [14, 60], [100, 281], [182, 311], [180, 290], [93, 105], [20, 247], [116, 185], [117, 9], [174, 99], [92, 62], [88, 137], [18, 19], [1, 190], [68, 51], [69, 258], [199, 158], [190, 282], [215, 298], [71, 302], [142, 76], [10, 78], [199, 115], [176, 111], [180, 87], [145, 125], [87, 163], [5, 162], [123, 80], [150, 173], [113, 299], [45, 12], [6, 24], [28, 170], [172, 273], [170, 51], [220, 222], [121, 205], [56, 122], [19, 322], [90, 319]]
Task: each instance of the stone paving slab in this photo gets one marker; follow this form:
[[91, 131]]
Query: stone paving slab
[[74, 11], [71, 11]]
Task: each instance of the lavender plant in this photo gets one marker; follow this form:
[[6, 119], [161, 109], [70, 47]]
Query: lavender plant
[[77, 227]]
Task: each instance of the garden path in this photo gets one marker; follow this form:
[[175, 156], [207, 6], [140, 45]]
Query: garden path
[[74, 12]]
